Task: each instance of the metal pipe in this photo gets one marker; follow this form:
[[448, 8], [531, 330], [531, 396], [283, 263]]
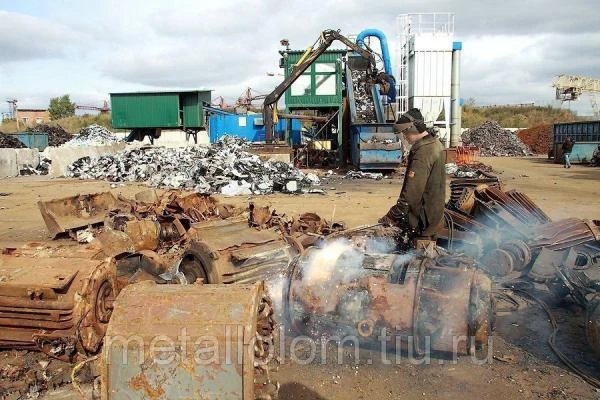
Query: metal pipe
[[385, 53], [302, 117], [455, 107]]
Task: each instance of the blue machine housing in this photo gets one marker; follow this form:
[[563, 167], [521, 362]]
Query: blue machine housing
[[251, 127], [367, 147]]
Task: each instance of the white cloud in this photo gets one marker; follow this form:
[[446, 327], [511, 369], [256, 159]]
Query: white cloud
[[23, 37], [512, 49]]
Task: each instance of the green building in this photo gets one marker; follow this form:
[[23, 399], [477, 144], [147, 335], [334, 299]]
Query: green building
[[319, 91]]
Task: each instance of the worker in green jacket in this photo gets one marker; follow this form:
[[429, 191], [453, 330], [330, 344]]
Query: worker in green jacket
[[419, 210]]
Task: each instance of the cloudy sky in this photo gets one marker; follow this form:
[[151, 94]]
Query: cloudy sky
[[511, 49]]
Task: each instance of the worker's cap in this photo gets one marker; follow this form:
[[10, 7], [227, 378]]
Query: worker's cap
[[410, 122]]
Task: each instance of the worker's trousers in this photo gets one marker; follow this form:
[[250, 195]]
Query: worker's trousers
[[567, 160]]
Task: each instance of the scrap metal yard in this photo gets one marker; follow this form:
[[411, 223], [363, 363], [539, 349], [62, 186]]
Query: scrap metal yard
[[404, 205], [520, 364]]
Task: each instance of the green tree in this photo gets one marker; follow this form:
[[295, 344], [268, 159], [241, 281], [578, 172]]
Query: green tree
[[61, 107]]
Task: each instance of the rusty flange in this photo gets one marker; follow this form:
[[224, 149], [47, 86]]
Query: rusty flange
[[497, 262], [519, 251]]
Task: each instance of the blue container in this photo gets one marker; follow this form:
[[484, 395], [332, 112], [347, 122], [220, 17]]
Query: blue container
[[586, 135], [38, 140], [250, 127], [368, 151]]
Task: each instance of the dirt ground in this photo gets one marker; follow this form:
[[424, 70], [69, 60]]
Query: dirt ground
[[524, 366]]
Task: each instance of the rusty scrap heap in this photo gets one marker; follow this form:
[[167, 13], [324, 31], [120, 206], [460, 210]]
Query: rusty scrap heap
[[510, 235], [10, 141], [64, 307], [538, 138]]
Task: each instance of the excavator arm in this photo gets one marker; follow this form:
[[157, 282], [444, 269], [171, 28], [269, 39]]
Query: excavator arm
[[326, 39]]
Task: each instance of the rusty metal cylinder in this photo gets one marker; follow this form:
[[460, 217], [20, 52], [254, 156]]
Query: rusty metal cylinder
[[436, 304], [189, 342]]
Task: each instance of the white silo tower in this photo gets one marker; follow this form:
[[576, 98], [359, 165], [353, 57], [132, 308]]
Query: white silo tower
[[426, 79]]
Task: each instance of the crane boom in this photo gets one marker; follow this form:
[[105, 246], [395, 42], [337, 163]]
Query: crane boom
[[572, 86], [326, 39]]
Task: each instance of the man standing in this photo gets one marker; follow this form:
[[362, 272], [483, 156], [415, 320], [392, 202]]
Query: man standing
[[567, 147], [420, 207], [595, 161]]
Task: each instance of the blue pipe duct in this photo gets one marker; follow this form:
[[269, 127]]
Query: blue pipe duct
[[385, 54]]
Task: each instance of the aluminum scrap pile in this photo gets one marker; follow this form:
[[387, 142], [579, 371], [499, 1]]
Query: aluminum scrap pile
[[224, 167], [9, 141], [56, 134], [93, 135], [471, 170], [365, 107], [363, 175], [41, 169], [493, 140]]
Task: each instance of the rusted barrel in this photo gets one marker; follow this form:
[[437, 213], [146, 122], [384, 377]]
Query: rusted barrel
[[443, 302]]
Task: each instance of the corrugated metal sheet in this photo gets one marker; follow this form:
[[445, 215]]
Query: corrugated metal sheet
[[145, 110], [585, 131], [250, 127], [158, 109], [193, 116]]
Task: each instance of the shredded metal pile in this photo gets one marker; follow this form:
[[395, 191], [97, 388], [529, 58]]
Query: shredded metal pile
[[365, 107], [224, 167], [363, 175], [93, 135], [495, 141], [10, 142], [56, 134]]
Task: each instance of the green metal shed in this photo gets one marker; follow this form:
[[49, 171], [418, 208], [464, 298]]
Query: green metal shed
[[160, 110]]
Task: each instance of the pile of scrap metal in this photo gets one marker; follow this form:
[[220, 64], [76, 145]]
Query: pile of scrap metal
[[58, 296], [510, 235], [422, 301]]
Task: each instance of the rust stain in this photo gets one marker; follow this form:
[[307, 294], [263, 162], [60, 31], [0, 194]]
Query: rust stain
[[140, 382]]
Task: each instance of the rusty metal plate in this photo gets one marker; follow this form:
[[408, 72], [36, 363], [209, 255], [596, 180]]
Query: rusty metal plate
[[221, 235], [69, 213], [224, 316]]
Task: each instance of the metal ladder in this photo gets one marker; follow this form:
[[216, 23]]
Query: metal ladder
[[403, 51]]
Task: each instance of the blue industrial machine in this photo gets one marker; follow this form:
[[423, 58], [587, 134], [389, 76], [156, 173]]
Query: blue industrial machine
[[373, 145], [251, 127]]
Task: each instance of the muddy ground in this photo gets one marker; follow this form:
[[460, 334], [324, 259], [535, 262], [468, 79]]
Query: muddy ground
[[523, 366]]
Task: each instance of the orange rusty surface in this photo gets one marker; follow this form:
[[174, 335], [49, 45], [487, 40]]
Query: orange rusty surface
[[54, 297], [140, 382], [62, 215]]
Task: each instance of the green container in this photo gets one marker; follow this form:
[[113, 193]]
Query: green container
[[163, 110], [320, 85]]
